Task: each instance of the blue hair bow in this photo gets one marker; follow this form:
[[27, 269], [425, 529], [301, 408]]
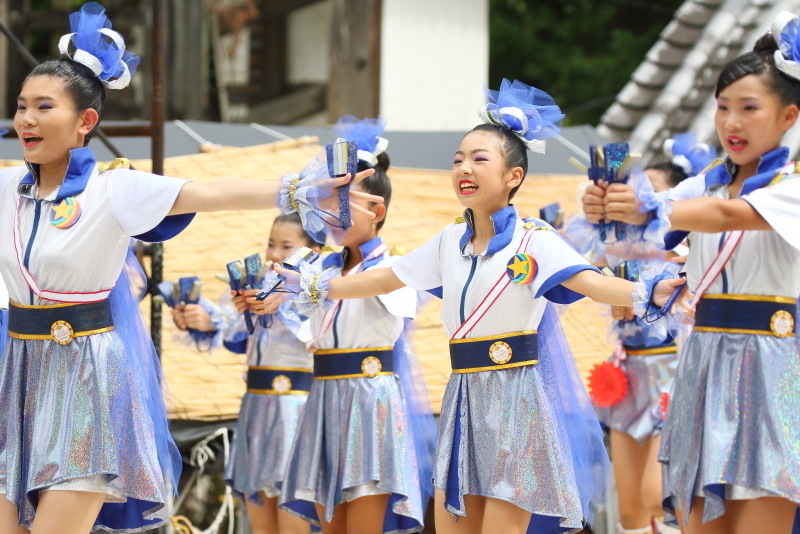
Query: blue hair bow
[[688, 154], [366, 134], [785, 32], [94, 44], [530, 113]]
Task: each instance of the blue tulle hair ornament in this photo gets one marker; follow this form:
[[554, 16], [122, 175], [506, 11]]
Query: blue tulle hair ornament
[[530, 113], [785, 32], [94, 44], [366, 134], [688, 154]]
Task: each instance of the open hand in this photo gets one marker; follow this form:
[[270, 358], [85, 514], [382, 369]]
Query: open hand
[[593, 200], [331, 203], [622, 205]]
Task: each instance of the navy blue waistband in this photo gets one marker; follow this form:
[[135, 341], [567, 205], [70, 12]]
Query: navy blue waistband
[[331, 364], [491, 353], [746, 314], [59, 322], [278, 380]]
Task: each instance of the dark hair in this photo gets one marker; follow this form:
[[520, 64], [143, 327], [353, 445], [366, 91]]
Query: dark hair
[[294, 218], [675, 174], [761, 61], [85, 89], [379, 183], [514, 151]]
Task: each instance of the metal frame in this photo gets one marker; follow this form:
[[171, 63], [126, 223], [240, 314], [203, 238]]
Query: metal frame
[[153, 129]]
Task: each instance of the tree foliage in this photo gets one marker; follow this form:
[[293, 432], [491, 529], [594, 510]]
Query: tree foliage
[[582, 52]]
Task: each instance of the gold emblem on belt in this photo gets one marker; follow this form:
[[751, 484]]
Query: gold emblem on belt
[[500, 352], [781, 323], [371, 366], [62, 332], [282, 384]]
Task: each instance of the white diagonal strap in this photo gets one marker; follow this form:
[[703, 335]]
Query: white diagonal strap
[[54, 296], [494, 293], [725, 252]]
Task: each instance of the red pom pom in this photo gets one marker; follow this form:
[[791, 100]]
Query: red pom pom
[[607, 384], [664, 403]]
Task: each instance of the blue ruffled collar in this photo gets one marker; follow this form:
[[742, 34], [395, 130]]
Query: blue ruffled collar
[[79, 169], [338, 259], [768, 165], [504, 223]]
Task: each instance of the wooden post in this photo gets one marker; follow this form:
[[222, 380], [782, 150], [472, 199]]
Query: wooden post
[[355, 58], [4, 63]]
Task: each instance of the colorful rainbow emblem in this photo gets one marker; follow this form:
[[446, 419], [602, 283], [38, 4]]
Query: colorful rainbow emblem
[[521, 268], [65, 214]]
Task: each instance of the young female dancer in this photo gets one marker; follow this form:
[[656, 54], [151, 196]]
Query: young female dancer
[[649, 359], [361, 462], [279, 377], [82, 411], [518, 442], [729, 443]]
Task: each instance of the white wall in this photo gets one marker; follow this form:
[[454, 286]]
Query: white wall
[[309, 44], [434, 63]]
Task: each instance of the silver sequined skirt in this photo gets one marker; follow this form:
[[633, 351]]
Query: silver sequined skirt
[[264, 435], [70, 412], [733, 424], [498, 437], [638, 413], [354, 432]]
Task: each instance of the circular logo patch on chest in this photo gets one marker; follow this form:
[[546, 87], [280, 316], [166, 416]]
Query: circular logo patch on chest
[[65, 214], [62, 332], [282, 384], [521, 268], [781, 323], [500, 352], [371, 366]]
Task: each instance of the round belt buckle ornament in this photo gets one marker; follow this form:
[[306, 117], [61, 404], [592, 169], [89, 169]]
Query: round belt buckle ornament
[[282, 384], [500, 352], [781, 323], [62, 332], [371, 366]]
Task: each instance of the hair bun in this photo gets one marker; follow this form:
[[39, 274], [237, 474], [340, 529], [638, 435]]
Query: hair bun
[[766, 44]]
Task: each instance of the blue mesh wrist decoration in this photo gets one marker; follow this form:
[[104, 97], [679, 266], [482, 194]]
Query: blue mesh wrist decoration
[[655, 204], [314, 289], [688, 154], [366, 134], [94, 44], [530, 113], [304, 193], [660, 320]]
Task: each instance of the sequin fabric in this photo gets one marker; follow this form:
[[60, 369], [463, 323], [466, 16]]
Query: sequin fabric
[[352, 432], [510, 445], [264, 435], [638, 413], [71, 411], [732, 427]]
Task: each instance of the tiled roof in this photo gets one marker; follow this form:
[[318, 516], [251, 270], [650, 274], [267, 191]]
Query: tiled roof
[[209, 386], [672, 90]]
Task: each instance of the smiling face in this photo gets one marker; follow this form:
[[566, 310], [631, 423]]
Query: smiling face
[[480, 176], [751, 121], [47, 123]]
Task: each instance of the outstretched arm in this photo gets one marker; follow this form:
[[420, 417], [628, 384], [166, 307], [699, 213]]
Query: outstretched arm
[[616, 291], [239, 194], [701, 214], [362, 285]]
